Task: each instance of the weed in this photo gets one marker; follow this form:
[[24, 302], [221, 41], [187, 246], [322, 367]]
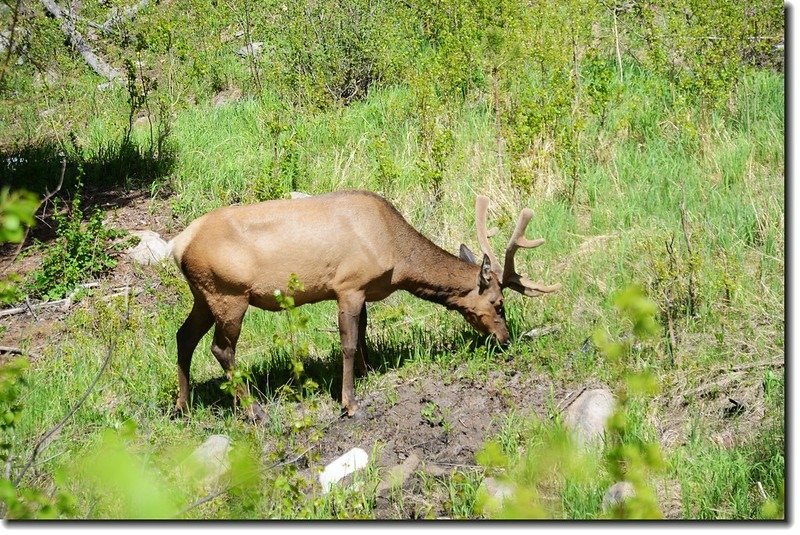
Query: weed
[[431, 414]]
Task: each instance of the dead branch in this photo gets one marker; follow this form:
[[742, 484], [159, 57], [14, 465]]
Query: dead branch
[[685, 227], [98, 64], [63, 304], [775, 363], [48, 437]]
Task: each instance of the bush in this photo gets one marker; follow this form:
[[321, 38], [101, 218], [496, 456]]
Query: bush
[[79, 252]]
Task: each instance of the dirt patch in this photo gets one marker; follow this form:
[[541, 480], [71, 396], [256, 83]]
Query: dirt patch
[[442, 422]]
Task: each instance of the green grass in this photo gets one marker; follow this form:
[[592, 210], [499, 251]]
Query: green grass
[[728, 169]]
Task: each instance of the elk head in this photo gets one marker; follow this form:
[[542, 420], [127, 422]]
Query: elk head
[[486, 313]]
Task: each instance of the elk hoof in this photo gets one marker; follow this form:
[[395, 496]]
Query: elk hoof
[[178, 412], [352, 411]]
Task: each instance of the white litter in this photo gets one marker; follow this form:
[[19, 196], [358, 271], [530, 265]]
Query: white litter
[[353, 460]]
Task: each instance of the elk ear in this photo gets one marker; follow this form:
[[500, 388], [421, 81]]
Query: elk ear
[[485, 275], [466, 255]]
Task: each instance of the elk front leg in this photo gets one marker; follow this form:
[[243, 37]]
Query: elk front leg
[[350, 315], [361, 353]]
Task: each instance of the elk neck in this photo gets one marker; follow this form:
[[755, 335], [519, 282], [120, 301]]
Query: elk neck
[[431, 273]]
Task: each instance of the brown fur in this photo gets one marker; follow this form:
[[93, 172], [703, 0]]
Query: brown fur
[[353, 247]]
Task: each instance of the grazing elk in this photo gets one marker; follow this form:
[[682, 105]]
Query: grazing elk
[[351, 246]]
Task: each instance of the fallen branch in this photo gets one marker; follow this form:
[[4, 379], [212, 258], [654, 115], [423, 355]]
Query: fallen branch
[[63, 304], [685, 228], [776, 363], [98, 64], [48, 437]]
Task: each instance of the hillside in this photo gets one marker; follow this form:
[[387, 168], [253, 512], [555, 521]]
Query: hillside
[[647, 138]]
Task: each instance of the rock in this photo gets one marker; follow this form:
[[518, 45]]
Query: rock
[[586, 416], [498, 491], [298, 195], [253, 49], [151, 249], [225, 97], [353, 460], [398, 475], [541, 331], [668, 496], [617, 493], [209, 461]]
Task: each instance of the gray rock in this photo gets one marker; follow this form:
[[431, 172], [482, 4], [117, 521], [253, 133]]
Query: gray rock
[[586, 416], [298, 195], [151, 249], [398, 475], [209, 461], [253, 49], [541, 331], [498, 490], [617, 493]]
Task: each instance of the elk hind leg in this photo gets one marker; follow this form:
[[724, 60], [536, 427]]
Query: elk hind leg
[[188, 336], [226, 335]]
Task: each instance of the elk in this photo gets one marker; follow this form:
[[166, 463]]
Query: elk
[[353, 247]]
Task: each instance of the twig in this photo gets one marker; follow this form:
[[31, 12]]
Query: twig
[[30, 308], [48, 437], [616, 43], [569, 400], [776, 363], [685, 227], [761, 491], [456, 465]]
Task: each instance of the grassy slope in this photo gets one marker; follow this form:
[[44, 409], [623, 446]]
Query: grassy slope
[[645, 163]]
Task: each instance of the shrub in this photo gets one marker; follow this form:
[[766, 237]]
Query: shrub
[[79, 252]]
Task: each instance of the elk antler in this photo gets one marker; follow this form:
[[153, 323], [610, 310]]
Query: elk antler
[[481, 206], [510, 277]]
